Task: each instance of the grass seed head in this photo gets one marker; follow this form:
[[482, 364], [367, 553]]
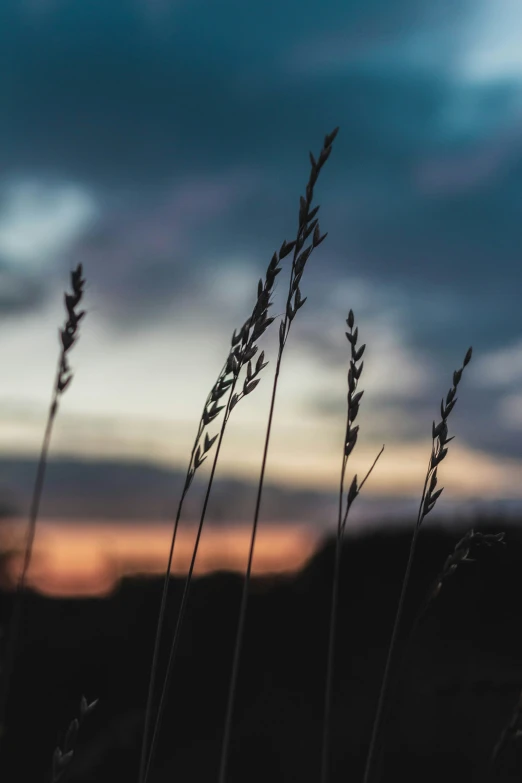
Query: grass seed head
[[440, 435], [62, 758], [68, 334]]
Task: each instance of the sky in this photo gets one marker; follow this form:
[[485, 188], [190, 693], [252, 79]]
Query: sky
[[164, 145]]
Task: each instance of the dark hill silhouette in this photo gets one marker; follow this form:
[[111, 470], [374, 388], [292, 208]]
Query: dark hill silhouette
[[461, 677]]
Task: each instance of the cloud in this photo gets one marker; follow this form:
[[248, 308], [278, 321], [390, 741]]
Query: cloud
[[147, 256], [411, 34], [491, 50], [19, 293], [39, 224], [510, 411], [392, 366], [39, 221], [461, 172], [499, 368]]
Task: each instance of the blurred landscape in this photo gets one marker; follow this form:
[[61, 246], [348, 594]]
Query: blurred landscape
[[102, 520], [460, 679]]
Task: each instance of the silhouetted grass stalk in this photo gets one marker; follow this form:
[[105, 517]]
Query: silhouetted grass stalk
[[459, 555], [243, 349], [210, 411], [510, 733], [349, 442], [428, 500], [63, 757], [293, 304], [63, 378]]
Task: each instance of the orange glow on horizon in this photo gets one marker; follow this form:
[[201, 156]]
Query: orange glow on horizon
[[89, 558]]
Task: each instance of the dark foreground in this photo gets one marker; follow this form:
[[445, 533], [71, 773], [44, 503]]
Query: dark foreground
[[461, 677]]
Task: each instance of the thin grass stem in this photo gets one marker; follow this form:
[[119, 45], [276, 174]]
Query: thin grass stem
[[293, 304], [427, 503], [242, 351], [62, 380], [350, 439], [161, 618]]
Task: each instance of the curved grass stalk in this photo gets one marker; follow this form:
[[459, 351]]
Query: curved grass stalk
[[293, 304], [349, 442], [63, 757], [428, 500], [64, 377], [243, 349], [459, 555]]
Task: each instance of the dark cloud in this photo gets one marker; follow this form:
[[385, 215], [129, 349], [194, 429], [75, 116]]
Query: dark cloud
[[19, 293], [193, 137], [93, 92]]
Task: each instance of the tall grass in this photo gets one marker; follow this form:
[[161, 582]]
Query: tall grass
[[62, 757], [294, 302], [469, 543], [428, 500], [64, 377], [461, 554], [511, 732], [243, 346], [243, 349], [349, 441]]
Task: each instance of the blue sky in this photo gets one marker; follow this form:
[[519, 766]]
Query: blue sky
[[165, 146]]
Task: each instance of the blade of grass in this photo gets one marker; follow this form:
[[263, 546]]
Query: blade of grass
[[350, 439], [63, 379], [511, 732], [210, 412], [427, 503], [459, 555], [293, 304], [243, 349], [63, 757]]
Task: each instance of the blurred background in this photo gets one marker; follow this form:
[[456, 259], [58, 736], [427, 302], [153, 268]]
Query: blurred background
[[164, 145]]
